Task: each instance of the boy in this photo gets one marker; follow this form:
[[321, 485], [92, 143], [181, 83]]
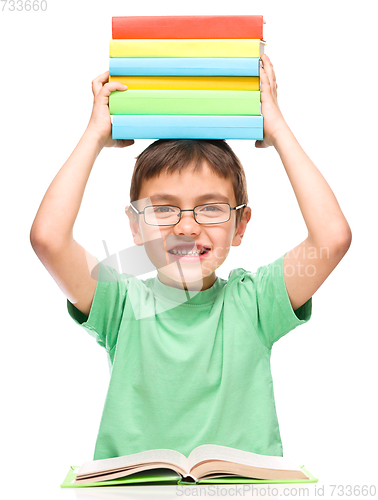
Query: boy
[[189, 352]]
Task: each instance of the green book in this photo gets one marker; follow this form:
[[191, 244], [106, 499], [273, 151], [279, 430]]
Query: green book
[[167, 477], [185, 102], [206, 464]]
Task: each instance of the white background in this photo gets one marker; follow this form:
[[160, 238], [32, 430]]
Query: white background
[[54, 376]]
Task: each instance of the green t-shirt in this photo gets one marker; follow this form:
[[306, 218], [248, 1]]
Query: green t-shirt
[[186, 372]]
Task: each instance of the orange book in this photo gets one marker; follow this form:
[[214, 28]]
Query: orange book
[[163, 27], [188, 82]]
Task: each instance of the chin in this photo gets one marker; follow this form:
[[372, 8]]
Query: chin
[[187, 274]]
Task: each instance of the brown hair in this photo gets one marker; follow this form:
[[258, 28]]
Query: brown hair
[[173, 155]]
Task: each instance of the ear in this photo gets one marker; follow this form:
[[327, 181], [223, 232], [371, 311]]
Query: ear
[[134, 225], [240, 230]]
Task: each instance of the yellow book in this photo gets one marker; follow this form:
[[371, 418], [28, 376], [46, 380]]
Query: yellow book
[[188, 82], [217, 47]]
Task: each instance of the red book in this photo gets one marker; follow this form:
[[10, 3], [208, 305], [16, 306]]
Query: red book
[[147, 27]]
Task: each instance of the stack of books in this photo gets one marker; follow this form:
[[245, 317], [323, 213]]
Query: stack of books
[[188, 77]]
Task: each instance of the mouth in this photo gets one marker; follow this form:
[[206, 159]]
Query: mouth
[[189, 252]]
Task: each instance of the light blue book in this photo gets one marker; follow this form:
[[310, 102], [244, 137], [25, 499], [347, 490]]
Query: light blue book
[[189, 66], [187, 127]]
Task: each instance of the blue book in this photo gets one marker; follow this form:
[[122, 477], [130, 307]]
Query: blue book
[[187, 127], [189, 66]]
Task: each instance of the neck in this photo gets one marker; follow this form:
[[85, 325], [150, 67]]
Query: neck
[[204, 284]]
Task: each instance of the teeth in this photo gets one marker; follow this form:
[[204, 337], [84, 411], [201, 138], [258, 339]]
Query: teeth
[[184, 252]]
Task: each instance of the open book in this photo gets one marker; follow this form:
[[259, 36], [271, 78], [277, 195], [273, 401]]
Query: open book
[[204, 462]]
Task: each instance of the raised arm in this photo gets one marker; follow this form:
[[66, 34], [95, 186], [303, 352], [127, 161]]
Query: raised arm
[[329, 236], [51, 234]]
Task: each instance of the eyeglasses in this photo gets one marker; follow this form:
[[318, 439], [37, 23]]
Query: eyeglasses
[[170, 215]]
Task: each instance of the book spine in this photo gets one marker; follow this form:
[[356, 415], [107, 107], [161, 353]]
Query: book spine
[[176, 27], [199, 66], [187, 127], [184, 102], [188, 82], [186, 48]]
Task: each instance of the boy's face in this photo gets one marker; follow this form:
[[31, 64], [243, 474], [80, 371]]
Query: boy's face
[[185, 190]]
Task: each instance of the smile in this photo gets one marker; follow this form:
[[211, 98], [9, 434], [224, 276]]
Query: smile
[[188, 255], [185, 252]]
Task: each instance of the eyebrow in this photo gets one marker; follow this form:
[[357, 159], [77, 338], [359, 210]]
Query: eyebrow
[[204, 197]]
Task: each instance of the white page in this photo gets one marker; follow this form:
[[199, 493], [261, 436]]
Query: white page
[[216, 452], [166, 455]]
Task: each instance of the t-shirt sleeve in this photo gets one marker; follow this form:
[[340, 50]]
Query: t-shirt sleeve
[[265, 298], [106, 313]]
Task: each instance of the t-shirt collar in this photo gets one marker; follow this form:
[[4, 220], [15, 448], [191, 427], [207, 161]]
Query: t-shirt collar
[[186, 296]]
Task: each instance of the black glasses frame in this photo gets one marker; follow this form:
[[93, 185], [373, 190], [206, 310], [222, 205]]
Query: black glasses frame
[[187, 210]]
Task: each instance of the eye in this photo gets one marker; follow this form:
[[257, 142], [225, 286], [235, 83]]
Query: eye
[[163, 209], [210, 208]]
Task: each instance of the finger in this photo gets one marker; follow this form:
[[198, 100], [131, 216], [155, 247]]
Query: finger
[[264, 81], [268, 67], [123, 143], [108, 88], [261, 144], [98, 82]]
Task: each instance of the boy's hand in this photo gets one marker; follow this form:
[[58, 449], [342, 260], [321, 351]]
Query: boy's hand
[[273, 119], [100, 122]]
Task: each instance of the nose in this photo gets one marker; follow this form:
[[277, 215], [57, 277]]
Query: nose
[[187, 224]]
